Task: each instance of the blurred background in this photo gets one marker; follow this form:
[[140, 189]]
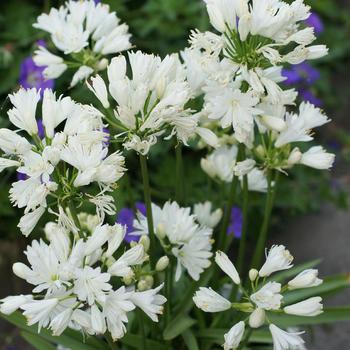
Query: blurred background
[[312, 216]]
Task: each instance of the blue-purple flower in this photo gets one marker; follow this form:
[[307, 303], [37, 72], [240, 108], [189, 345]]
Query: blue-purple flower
[[126, 217], [315, 21], [236, 222], [32, 75]]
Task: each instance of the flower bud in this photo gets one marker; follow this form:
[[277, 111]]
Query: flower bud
[[129, 278], [253, 274], [162, 263], [160, 232], [257, 318], [145, 241], [149, 280], [260, 151], [294, 157], [273, 123], [102, 65], [142, 285], [20, 270], [133, 244], [160, 87]]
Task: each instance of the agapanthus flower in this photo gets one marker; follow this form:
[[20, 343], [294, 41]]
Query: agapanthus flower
[[315, 21], [31, 76], [84, 32], [126, 217], [184, 238], [236, 222], [262, 296], [151, 103], [70, 291], [80, 144]]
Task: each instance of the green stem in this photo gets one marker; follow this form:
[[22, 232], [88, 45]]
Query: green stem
[[179, 190], [142, 330], [231, 197], [148, 202], [168, 290], [260, 247], [74, 215], [112, 345], [243, 241], [245, 341]]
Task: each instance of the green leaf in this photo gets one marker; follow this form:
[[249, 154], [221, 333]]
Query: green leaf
[[177, 326], [135, 341], [330, 315], [284, 275], [36, 341], [217, 335], [69, 338], [190, 340], [330, 285]]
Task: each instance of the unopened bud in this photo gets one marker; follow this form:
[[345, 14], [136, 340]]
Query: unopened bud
[[149, 280], [274, 123], [161, 231], [257, 318], [20, 270], [102, 65], [145, 241], [160, 87], [162, 263], [129, 278], [142, 285], [109, 261], [260, 151], [133, 244], [295, 156], [253, 274]]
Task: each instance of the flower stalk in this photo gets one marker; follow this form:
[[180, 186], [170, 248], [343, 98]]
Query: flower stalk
[[148, 203]]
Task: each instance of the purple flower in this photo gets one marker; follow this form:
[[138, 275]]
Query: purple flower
[[126, 217], [21, 176], [301, 73], [308, 95], [236, 222], [32, 75], [41, 129], [315, 21]]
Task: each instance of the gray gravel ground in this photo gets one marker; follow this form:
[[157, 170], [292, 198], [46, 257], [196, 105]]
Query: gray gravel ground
[[325, 234]]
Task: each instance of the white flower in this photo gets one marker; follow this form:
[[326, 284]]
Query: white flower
[[305, 279], [233, 107], [55, 111], [39, 311], [12, 143], [312, 116], [13, 303], [81, 74], [98, 87], [257, 180], [115, 308], [244, 167], [150, 302], [23, 113], [283, 340], [29, 220], [277, 259], [54, 65], [220, 163], [205, 216], [91, 284], [257, 318], [98, 323], [209, 301], [114, 235], [309, 307], [226, 265], [268, 297], [317, 157], [60, 322], [8, 163], [234, 336]]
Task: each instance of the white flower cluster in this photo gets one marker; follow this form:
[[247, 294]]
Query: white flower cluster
[[263, 297], [239, 72], [150, 103], [68, 156], [181, 236], [73, 283], [84, 32]]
